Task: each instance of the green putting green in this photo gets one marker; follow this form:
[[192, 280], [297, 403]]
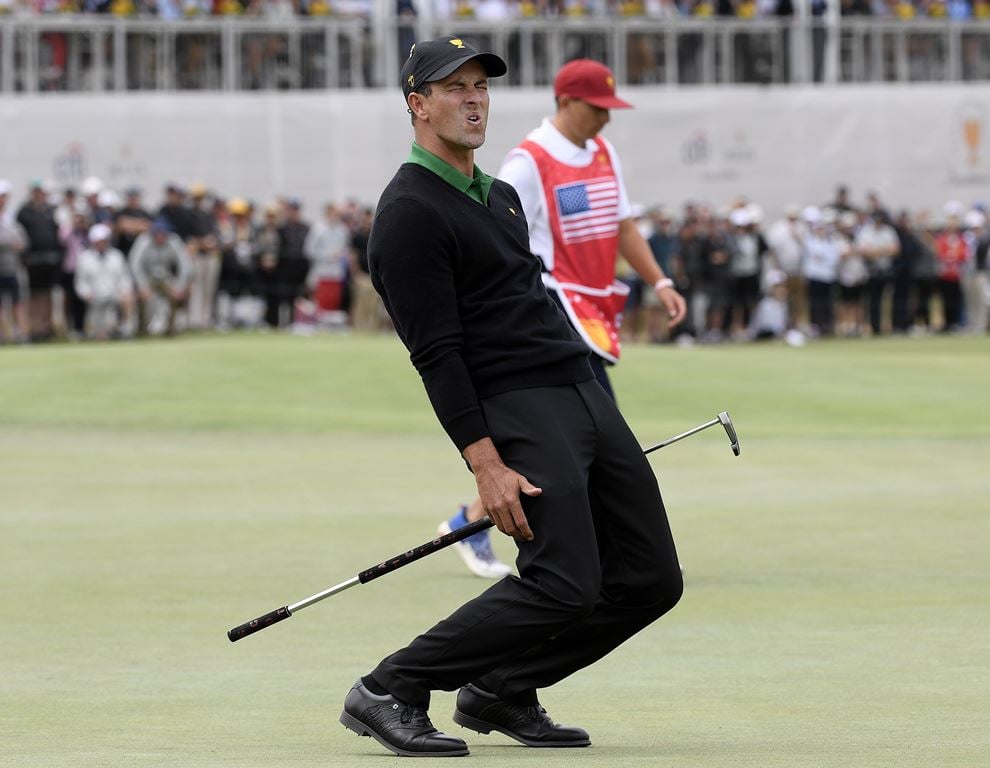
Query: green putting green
[[155, 494]]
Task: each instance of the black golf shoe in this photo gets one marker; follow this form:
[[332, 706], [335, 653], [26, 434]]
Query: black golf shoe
[[401, 728], [528, 724]]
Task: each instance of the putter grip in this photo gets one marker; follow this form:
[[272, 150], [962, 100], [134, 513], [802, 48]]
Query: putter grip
[[424, 549], [258, 624]]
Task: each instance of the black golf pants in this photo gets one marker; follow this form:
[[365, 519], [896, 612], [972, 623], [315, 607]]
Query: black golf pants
[[601, 567]]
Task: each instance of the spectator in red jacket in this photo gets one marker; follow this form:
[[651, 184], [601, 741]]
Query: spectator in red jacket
[[953, 250]]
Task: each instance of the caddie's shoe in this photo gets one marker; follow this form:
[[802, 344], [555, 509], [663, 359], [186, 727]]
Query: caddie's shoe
[[400, 728], [476, 551], [528, 724]]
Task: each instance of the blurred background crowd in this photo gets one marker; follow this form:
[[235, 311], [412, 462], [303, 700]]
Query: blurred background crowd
[[92, 262], [838, 268]]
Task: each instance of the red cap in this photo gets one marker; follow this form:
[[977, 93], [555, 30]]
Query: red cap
[[589, 81]]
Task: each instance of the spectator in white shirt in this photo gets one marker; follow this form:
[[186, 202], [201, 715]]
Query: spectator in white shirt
[[770, 318], [786, 240], [327, 247], [852, 278], [12, 243], [103, 282], [822, 253]]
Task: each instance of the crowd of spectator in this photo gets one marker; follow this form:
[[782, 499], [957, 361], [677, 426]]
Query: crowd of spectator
[[90, 263], [819, 271], [498, 10]]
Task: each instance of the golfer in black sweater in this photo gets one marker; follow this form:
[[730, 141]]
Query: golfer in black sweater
[[556, 466]]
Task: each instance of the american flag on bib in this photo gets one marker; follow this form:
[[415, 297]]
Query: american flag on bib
[[588, 210]]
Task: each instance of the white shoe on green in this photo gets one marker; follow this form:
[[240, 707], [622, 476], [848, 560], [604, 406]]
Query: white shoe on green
[[476, 551]]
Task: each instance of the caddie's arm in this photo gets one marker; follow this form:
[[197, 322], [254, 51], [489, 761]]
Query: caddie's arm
[[636, 251]]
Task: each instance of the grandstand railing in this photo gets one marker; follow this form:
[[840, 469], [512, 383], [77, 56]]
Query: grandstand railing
[[100, 54]]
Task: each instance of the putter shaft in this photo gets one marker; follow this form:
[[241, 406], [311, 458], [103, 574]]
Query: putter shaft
[[430, 547], [681, 436], [369, 574], [351, 582]]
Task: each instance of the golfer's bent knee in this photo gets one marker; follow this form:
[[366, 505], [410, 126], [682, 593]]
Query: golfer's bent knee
[[656, 592], [576, 596]]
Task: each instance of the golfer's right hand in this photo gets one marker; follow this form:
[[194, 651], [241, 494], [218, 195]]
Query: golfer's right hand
[[499, 488]]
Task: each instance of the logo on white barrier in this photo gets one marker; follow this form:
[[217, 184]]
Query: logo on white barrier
[[968, 145]]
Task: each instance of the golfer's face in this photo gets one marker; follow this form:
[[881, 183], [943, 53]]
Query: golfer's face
[[458, 106]]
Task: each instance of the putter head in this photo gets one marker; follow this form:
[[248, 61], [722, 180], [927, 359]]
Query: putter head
[[726, 421]]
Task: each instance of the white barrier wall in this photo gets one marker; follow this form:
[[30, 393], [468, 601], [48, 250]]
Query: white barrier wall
[[916, 146]]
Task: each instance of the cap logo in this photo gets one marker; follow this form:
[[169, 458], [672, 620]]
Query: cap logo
[[610, 81], [412, 81], [456, 42], [411, 49]]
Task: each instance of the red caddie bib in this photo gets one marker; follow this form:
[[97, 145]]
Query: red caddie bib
[[583, 208]]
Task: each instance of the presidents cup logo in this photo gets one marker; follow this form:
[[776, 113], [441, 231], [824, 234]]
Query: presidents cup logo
[[968, 145], [456, 42], [696, 149], [722, 155], [70, 166], [739, 150], [972, 133], [126, 167]]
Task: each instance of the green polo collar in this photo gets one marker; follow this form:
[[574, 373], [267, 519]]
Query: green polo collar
[[476, 188]]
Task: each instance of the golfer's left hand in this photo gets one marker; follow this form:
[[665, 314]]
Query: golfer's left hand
[[499, 489], [674, 303]]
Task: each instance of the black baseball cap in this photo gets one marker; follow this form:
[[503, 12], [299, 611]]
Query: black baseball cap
[[433, 60]]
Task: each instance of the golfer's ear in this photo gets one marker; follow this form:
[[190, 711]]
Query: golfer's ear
[[416, 102]]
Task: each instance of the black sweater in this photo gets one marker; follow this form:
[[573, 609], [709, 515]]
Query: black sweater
[[466, 297]]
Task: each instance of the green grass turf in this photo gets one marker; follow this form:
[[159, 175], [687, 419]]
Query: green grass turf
[[152, 495]]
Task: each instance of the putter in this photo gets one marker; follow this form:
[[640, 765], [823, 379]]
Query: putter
[[723, 418], [441, 542]]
